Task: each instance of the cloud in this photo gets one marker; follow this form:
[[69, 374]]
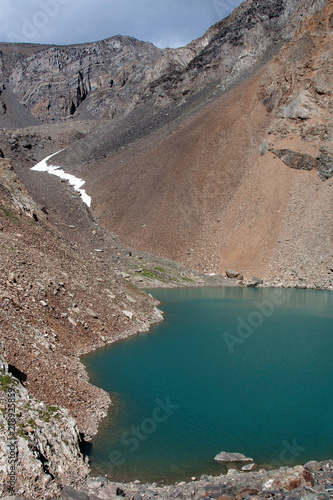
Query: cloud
[[163, 22]]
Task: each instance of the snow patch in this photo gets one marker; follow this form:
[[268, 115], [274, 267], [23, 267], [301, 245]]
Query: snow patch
[[76, 182]]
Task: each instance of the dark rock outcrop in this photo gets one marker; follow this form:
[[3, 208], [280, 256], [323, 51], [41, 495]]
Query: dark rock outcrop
[[293, 159], [325, 167], [303, 161]]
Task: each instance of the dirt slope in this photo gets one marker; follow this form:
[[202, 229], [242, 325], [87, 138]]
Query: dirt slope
[[201, 192]]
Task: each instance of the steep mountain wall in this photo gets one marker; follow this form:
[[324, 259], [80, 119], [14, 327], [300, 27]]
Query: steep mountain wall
[[108, 78]]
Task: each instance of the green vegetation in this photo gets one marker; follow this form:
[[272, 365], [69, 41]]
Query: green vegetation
[[21, 431], [8, 213], [7, 382], [189, 280], [51, 411], [148, 273], [32, 423]]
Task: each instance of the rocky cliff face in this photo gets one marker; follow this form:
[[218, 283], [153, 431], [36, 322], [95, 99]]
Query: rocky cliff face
[[55, 82], [234, 47], [44, 441], [108, 78], [297, 92]]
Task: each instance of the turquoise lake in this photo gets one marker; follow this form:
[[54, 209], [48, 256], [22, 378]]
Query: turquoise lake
[[230, 369]]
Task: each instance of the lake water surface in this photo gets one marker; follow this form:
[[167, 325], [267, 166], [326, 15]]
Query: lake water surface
[[230, 369]]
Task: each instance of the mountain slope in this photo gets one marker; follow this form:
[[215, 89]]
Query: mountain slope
[[180, 170], [201, 191], [110, 77]]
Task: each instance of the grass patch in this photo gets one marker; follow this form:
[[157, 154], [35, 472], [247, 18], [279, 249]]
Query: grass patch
[[148, 273], [187, 279], [21, 431], [6, 382], [8, 213], [160, 269], [32, 423]]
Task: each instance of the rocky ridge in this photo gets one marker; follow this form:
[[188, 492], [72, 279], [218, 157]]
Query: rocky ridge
[[110, 77]]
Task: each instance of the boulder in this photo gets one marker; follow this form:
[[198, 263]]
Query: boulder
[[325, 167], [92, 313], [248, 467], [68, 493], [128, 314], [96, 482], [232, 457], [254, 282], [263, 148], [232, 274], [294, 159]]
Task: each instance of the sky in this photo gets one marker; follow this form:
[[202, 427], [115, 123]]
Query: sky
[[165, 23]]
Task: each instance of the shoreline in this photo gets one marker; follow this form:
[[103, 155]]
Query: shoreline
[[270, 468]]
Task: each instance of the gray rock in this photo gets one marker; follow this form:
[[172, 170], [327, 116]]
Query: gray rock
[[12, 498], [312, 466], [272, 101], [232, 457], [108, 491], [248, 467], [294, 159], [254, 282], [124, 275], [128, 314], [95, 483], [150, 493], [92, 313], [302, 107], [263, 148], [68, 493], [232, 274], [325, 167]]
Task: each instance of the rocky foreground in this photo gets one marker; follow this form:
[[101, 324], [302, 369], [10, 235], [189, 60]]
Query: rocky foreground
[[313, 481]]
